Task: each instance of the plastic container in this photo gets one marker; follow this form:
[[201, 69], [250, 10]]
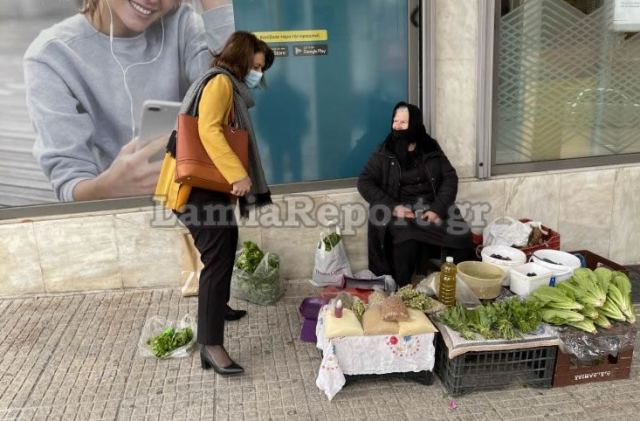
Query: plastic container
[[566, 263], [490, 370], [524, 285], [484, 279], [447, 286], [516, 258]]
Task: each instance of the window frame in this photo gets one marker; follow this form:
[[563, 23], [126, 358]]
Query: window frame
[[486, 129]]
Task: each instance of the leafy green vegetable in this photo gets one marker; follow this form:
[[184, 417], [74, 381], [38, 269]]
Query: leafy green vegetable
[[331, 240], [508, 319], [253, 281], [250, 257], [358, 307], [413, 298], [169, 340]]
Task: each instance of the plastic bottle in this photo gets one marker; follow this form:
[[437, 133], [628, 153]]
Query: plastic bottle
[[338, 309], [447, 289]]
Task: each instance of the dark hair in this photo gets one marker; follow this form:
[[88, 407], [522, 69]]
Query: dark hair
[[237, 54]]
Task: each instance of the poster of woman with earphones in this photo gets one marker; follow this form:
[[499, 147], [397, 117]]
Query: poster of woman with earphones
[[87, 77]]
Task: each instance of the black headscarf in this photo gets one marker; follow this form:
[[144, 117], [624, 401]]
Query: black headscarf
[[398, 141]]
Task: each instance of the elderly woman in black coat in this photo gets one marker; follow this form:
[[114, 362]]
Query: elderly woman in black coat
[[411, 188]]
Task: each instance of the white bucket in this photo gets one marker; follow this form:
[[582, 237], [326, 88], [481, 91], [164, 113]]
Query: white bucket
[[513, 257], [524, 285], [560, 263]]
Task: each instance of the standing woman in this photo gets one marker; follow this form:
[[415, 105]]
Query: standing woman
[[208, 214], [87, 77]]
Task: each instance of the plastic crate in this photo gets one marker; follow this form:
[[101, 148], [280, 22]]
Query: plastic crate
[[489, 370], [593, 261], [549, 241]]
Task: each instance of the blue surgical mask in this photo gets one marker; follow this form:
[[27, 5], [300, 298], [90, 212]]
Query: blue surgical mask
[[253, 78]]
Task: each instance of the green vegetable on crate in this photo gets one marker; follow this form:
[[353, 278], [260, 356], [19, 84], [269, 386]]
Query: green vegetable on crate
[[331, 240], [508, 319], [586, 325], [603, 322], [590, 312], [169, 340], [611, 311], [456, 318], [561, 317], [622, 282], [590, 287], [556, 298]]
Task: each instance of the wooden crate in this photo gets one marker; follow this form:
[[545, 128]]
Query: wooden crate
[[568, 372]]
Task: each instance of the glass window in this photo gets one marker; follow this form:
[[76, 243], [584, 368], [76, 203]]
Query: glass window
[[567, 84]]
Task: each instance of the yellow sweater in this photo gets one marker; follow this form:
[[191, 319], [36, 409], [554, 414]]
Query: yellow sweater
[[213, 111]]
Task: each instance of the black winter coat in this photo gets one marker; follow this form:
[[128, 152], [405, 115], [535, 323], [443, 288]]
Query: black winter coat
[[379, 184]]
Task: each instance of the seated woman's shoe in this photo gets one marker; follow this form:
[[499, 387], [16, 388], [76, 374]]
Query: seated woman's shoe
[[232, 314], [207, 363]]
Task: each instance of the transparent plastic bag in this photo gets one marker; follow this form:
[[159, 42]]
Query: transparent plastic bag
[[156, 325], [588, 348], [263, 286]]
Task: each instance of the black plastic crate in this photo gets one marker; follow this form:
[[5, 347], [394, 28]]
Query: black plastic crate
[[489, 370]]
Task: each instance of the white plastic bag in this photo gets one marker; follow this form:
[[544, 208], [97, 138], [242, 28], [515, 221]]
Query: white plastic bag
[[506, 231], [330, 265], [156, 325]]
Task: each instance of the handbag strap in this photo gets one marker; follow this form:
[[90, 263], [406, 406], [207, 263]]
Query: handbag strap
[[192, 98]]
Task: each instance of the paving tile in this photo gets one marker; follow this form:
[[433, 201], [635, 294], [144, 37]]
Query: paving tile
[[76, 357]]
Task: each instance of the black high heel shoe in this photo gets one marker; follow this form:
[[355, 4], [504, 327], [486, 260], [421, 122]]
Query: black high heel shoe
[[207, 362]]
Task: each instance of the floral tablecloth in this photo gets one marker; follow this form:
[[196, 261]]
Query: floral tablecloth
[[380, 354]]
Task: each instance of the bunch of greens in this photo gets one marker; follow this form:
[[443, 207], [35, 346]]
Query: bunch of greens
[[508, 319], [588, 299], [255, 281], [414, 299], [331, 240], [358, 307], [251, 256], [169, 340]]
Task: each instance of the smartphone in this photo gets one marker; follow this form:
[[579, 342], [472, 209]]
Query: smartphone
[[158, 119]]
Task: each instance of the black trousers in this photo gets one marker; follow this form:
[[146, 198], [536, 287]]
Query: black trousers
[[210, 219], [407, 255]]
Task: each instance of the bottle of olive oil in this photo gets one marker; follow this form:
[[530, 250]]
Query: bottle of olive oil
[[447, 289]]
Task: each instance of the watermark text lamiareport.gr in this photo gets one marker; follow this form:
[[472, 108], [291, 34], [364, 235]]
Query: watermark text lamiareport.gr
[[304, 211]]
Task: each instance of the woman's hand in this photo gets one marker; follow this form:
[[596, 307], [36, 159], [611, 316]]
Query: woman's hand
[[431, 216], [401, 211], [241, 187], [130, 174]]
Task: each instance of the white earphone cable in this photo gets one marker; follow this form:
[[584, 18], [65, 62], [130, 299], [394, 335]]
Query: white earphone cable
[[125, 70]]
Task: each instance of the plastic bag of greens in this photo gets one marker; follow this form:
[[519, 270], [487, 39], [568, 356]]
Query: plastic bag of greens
[[162, 338], [331, 261], [256, 276]]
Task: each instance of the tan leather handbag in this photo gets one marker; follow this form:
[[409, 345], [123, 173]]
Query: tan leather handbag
[[193, 165]]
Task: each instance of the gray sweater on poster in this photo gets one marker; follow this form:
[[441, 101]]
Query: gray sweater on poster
[[75, 90]]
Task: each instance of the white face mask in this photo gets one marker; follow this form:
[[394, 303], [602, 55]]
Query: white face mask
[[253, 78]]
